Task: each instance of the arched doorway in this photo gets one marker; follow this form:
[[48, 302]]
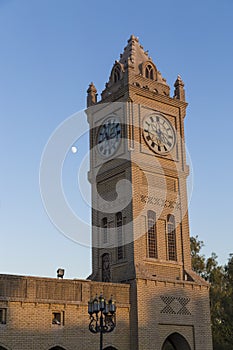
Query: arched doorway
[[55, 348], [2, 348], [110, 348], [175, 341]]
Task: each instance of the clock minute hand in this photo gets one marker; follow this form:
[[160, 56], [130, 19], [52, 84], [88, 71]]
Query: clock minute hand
[[154, 128]]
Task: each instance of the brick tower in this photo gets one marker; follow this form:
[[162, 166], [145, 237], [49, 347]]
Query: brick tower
[[140, 231]]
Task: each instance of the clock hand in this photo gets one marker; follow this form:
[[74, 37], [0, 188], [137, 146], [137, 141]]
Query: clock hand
[[154, 130], [166, 141], [153, 127], [112, 132]]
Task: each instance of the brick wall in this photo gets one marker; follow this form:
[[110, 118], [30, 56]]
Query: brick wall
[[31, 302]]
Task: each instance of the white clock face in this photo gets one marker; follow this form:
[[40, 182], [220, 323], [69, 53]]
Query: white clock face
[[158, 133], [109, 136]]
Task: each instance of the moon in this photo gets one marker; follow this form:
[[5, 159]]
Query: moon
[[74, 149]]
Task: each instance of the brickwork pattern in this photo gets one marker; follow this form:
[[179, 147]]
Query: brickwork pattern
[[29, 314]]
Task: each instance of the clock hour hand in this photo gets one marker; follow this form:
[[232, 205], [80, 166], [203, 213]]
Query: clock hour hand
[[112, 134], [166, 141]]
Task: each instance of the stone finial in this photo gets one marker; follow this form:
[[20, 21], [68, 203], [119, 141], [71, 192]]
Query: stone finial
[[91, 95], [179, 92], [133, 37]]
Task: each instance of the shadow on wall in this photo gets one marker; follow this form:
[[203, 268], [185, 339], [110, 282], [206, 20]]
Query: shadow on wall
[[63, 338], [59, 348]]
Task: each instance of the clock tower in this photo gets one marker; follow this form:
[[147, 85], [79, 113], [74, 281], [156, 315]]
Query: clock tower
[[140, 228]]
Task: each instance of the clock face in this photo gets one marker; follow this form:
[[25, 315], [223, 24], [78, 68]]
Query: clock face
[[109, 136], [158, 133]]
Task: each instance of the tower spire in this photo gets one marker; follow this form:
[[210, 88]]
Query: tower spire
[[134, 68]]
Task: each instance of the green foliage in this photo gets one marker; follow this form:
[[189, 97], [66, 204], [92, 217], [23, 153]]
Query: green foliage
[[221, 293], [198, 260]]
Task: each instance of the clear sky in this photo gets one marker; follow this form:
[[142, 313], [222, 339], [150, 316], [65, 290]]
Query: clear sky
[[50, 50]]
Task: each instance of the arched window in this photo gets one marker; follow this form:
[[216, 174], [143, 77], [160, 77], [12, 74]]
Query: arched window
[[119, 236], [116, 74], [149, 72], [171, 238], [55, 348], [105, 230], [151, 234], [106, 273]]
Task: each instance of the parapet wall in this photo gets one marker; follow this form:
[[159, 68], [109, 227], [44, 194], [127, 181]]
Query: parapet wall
[[37, 289]]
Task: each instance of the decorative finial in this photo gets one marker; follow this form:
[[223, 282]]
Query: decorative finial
[[133, 37], [91, 95], [179, 92]]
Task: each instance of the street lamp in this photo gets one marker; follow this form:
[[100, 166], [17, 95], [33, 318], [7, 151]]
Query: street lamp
[[102, 316]]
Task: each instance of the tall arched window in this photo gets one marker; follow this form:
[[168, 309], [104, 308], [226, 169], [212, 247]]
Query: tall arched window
[[105, 230], [106, 272], [151, 234], [171, 237], [116, 74], [119, 236], [149, 72]]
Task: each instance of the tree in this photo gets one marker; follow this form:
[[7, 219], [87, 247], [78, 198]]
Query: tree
[[228, 302], [198, 260], [221, 293]]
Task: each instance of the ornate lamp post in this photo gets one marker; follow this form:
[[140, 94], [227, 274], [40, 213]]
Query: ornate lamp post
[[102, 316]]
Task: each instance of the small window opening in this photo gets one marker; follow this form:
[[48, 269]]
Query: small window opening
[[2, 316], [58, 318], [117, 74], [149, 72]]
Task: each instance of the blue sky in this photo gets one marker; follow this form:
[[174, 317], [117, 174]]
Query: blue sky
[[50, 51]]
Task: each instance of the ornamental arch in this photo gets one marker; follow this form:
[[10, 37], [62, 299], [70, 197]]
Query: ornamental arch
[[175, 341]]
